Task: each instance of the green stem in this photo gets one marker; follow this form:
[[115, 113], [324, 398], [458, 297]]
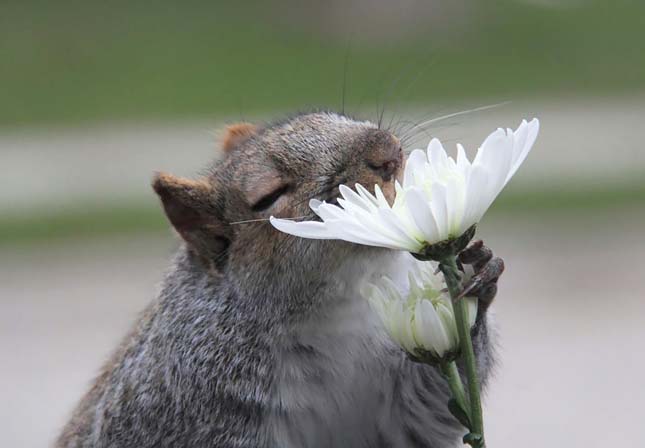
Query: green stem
[[449, 370], [449, 268]]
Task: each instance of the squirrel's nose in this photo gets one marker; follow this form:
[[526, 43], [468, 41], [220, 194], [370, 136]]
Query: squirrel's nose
[[386, 159]]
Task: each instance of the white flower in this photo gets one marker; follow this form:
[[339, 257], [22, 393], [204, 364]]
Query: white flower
[[439, 200], [419, 315]]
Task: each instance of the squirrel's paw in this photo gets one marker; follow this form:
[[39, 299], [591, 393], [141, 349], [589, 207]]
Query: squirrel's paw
[[487, 269]]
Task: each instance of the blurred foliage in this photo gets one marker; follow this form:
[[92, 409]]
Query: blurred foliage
[[70, 61]]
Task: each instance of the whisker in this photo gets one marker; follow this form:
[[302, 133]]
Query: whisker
[[456, 114], [407, 78], [247, 221]]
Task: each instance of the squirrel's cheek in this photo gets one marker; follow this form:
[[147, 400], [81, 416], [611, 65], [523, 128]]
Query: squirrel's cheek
[[389, 192], [398, 175]]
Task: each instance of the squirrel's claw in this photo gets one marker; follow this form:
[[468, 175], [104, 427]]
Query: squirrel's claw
[[476, 255], [483, 284]]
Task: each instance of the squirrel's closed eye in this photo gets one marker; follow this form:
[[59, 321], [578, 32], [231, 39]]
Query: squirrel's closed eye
[[268, 200]]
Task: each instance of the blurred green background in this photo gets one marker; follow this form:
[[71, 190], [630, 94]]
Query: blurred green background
[[95, 96], [68, 62], [78, 64]]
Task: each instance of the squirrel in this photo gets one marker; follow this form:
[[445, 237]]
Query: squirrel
[[261, 339]]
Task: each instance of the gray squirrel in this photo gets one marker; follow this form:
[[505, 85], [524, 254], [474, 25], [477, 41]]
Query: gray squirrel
[[259, 339]]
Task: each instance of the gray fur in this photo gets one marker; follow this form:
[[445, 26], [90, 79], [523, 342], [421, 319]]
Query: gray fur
[[270, 345]]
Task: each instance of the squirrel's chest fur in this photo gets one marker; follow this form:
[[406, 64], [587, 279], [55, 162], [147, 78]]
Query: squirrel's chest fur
[[194, 374], [335, 375], [331, 381]]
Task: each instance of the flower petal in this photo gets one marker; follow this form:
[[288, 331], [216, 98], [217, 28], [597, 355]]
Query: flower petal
[[354, 198], [380, 197], [463, 164], [331, 211], [471, 309], [365, 194], [439, 211], [397, 230], [447, 317], [307, 229], [437, 155], [422, 214], [523, 146], [413, 164], [314, 204], [477, 201], [455, 204], [430, 329], [355, 233]]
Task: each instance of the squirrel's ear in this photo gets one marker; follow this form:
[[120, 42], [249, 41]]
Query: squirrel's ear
[[190, 206], [236, 134]]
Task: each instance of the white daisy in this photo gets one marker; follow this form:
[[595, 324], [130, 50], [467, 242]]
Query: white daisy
[[418, 315], [440, 199]]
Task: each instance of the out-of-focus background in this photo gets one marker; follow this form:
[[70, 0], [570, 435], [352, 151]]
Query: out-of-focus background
[[95, 96]]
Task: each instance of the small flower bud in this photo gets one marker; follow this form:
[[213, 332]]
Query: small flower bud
[[419, 315]]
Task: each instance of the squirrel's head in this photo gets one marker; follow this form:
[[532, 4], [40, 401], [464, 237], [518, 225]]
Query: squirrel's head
[[275, 170]]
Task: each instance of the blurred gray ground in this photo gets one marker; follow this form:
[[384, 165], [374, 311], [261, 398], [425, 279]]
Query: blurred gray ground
[[569, 309], [584, 141]]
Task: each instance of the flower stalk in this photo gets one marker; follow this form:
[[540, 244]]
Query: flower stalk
[[448, 267], [451, 374]]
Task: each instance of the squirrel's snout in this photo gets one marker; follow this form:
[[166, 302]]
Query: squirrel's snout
[[386, 170], [385, 157]]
